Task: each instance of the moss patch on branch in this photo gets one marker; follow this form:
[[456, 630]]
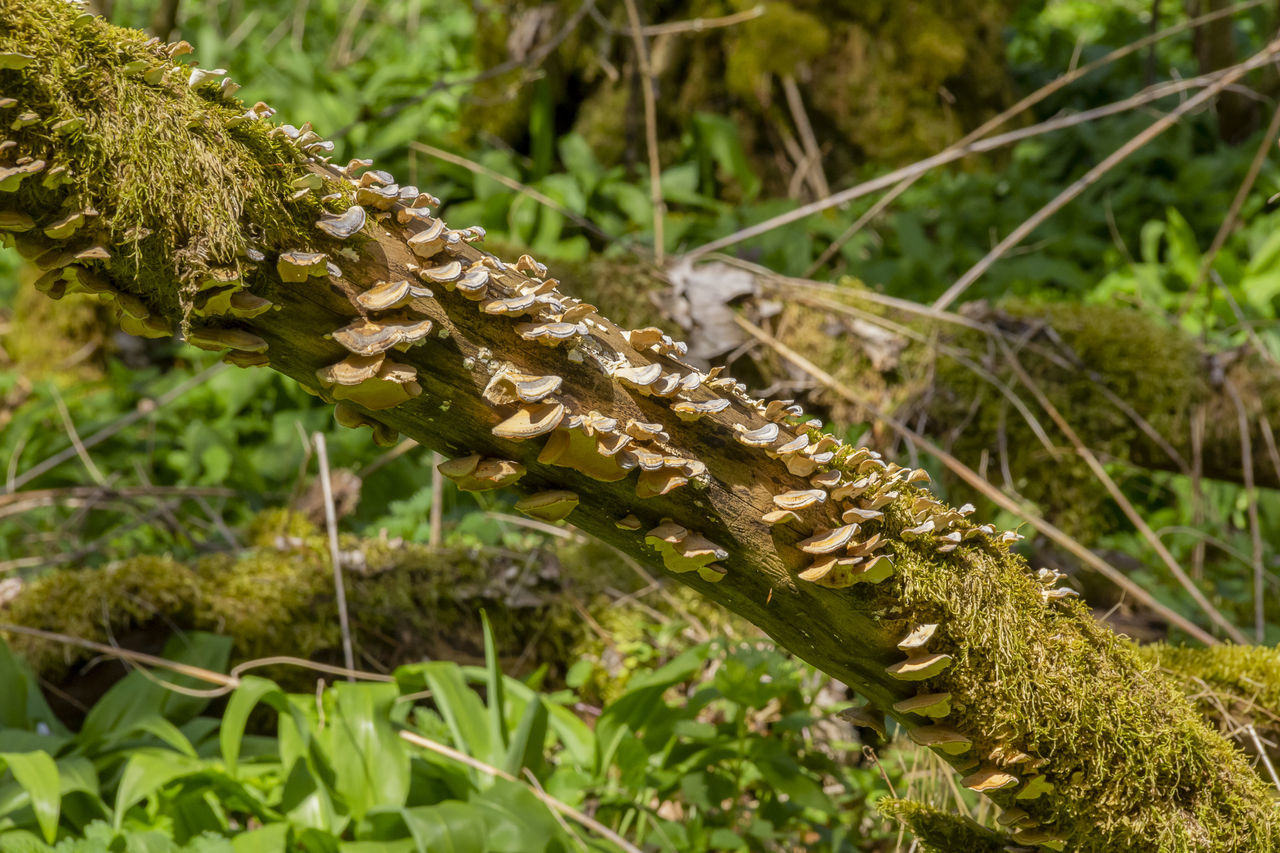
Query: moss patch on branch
[[180, 185]]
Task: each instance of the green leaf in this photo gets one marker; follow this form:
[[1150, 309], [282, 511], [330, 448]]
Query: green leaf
[[21, 841], [462, 710], [244, 699], [271, 838], [136, 697], [526, 746], [37, 773], [370, 761], [147, 771], [22, 705], [448, 827], [493, 681]]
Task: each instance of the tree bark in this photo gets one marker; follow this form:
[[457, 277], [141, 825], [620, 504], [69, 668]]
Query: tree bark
[[143, 182]]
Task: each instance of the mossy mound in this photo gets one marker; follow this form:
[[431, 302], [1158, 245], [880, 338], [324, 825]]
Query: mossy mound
[[891, 81], [407, 601], [1236, 686]]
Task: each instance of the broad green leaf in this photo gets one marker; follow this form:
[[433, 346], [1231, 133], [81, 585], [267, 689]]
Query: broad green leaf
[[164, 731], [462, 711], [147, 771], [251, 691], [22, 705], [515, 819], [37, 773], [21, 841], [271, 838], [449, 827], [629, 713], [135, 696], [369, 759]]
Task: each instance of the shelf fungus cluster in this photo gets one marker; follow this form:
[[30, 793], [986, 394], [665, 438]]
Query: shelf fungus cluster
[[567, 391]]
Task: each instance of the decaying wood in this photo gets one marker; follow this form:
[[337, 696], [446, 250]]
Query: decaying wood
[[359, 293]]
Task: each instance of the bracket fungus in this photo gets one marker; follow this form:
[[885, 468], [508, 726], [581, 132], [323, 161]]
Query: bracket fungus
[[919, 666], [925, 704], [548, 506], [583, 449], [477, 474], [509, 386], [297, 266], [531, 420], [342, 226], [371, 337], [217, 339], [374, 382], [681, 550], [944, 739], [386, 295], [799, 499], [349, 416], [826, 541], [989, 778], [762, 437]]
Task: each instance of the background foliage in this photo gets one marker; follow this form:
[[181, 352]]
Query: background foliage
[[676, 744]]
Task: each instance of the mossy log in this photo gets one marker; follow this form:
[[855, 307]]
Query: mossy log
[[129, 175], [1136, 388], [410, 602]]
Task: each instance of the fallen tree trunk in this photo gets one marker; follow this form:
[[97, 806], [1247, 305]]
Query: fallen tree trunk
[[130, 176]]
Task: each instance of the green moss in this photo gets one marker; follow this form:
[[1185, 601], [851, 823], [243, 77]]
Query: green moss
[[408, 602], [870, 72], [175, 181], [1133, 767], [943, 832], [1232, 685], [1154, 368], [69, 338]]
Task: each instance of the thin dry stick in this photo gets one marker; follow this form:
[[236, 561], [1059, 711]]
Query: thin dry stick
[[1199, 416], [69, 426], [15, 504], [1255, 526], [390, 456], [335, 555], [1233, 212], [647, 85], [954, 153], [511, 184], [227, 682], [1119, 497], [699, 25], [437, 501], [1093, 175], [796, 104], [1262, 753], [1269, 439], [550, 801], [997, 497], [114, 427], [861, 222]]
